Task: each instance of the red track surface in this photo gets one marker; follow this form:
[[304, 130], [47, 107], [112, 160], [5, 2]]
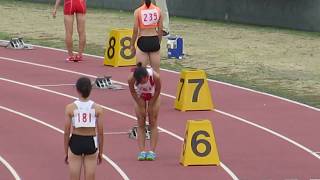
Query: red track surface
[[36, 151]]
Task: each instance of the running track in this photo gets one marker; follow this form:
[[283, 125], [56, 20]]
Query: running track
[[258, 136]]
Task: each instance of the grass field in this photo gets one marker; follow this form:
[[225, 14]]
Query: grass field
[[278, 61]]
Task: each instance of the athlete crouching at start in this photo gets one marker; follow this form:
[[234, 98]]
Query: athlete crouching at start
[[84, 120], [145, 85]]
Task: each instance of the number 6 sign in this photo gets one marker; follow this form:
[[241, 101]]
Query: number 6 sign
[[193, 92], [118, 51], [199, 147]]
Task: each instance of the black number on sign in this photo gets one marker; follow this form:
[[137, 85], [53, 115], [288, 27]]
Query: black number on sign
[[182, 81], [197, 89], [125, 47], [112, 44], [195, 143], [185, 143]]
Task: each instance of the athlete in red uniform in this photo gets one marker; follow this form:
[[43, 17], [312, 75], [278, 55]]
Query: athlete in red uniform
[[71, 8], [144, 84]]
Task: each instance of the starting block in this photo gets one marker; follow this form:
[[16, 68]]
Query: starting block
[[133, 133], [106, 83], [18, 43]]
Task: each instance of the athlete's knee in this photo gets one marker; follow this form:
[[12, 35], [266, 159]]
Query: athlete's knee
[[141, 122], [153, 124], [69, 36], [81, 32]]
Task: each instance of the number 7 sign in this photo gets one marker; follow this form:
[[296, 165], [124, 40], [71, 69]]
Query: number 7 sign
[[193, 92]]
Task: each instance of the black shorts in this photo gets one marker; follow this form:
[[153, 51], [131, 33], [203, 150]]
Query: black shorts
[[82, 145], [149, 43]]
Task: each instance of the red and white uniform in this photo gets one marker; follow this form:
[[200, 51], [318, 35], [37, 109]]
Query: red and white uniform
[[148, 17], [146, 90], [84, 115], [74, 6]]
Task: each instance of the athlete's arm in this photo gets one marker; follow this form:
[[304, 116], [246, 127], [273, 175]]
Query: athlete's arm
[[54, 11], [133, 92], [100, 131], [67, 127], [135, 31], [157, 91]]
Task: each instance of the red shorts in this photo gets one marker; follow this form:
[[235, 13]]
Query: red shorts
[[74, 6], [146, 96]]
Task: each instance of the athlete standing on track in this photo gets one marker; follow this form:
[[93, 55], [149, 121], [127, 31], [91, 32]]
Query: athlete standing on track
[[144, 84], [71, 7], [84, 118], [148, 29]]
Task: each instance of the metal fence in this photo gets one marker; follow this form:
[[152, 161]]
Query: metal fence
[[294, 14]]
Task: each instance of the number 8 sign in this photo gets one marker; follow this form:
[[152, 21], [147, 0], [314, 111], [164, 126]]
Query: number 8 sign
[[199, 146], [118, 51]]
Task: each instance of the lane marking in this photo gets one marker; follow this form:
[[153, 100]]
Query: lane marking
[[170, 96], [10, 168], [116, 111], [116, 133], [54, 85], [123, 132], [114, 165], [212, 80]]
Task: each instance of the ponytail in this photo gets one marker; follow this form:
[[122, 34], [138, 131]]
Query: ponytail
[[147, 2], [139, 73], [139, 64]]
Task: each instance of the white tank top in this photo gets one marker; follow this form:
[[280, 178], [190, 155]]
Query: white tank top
[[84, 115], [146, 91]]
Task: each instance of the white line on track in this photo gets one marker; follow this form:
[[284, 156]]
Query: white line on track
[[114, 165], [219, 82], [123, 132], [171, 96], [116, 133], [216, 81], [10, 168], [116, 111], [54, 85]]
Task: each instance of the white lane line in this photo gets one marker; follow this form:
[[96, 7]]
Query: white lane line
[[10, 168], [116, 133], [114, 165], [123, 132], [219, 82], [54, 85], [171, 96], [231, 85], [216, 81], [116, 111], [273, 133]]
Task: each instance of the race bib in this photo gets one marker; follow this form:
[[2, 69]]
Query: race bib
[[84, 118], [149, 17]]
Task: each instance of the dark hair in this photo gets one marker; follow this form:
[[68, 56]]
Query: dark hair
[[84, 86], [147, 2], [140, 72]]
